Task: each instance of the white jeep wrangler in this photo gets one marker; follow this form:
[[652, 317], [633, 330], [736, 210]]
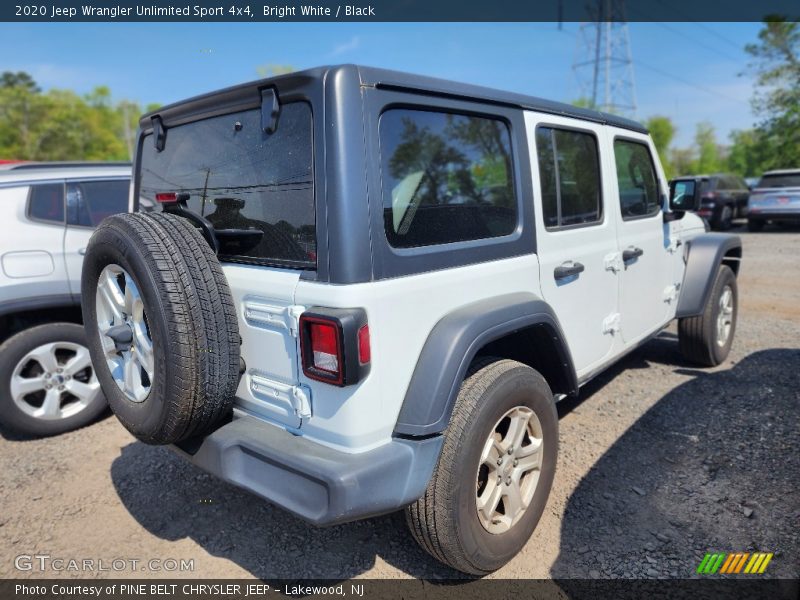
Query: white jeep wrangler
[[366, 290]]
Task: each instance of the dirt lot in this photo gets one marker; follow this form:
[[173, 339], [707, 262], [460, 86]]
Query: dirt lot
[[659, 463]]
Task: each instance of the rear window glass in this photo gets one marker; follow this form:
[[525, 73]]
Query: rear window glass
[[47, 202], [89, 202], [257, 189], [446, 178], [780, 180]]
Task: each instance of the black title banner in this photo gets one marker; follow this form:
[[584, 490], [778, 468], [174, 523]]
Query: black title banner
[[401, 10]]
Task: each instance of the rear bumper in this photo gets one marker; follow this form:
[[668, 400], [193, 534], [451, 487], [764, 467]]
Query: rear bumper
[[774, 215], [319, 484]]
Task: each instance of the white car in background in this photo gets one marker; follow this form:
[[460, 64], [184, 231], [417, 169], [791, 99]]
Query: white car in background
[[48, 212]]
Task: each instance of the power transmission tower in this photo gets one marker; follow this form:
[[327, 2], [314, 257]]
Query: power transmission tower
[[603, 64]]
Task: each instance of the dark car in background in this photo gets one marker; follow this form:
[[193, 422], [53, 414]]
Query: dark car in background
[[724, 197], [775, 198]]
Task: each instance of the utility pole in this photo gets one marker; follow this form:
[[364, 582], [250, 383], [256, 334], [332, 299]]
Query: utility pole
[[603, 64]]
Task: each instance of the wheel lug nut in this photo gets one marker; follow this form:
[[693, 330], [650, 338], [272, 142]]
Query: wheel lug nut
[[61, 387], [511, 450], [48, 386], [59, 370], [516, 462], [499, 461]]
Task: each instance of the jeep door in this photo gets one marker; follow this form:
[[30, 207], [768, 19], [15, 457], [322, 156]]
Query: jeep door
[[575, 232], [646, 249]]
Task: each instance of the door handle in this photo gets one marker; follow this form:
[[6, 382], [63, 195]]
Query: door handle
[[631, 253], [81, 251], [568, 269]]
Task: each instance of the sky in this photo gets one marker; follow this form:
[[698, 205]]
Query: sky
[[690, 72]]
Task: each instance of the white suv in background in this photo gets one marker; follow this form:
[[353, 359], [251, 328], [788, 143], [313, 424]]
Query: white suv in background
[[48, 212]]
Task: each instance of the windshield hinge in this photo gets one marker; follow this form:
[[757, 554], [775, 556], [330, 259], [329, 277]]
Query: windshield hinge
[[159, 133], [270, 110]]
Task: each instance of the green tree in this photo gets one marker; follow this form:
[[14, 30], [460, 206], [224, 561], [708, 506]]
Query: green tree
[[708, 154], [750, 153], [61, 125], [776, 64], [662, 130]]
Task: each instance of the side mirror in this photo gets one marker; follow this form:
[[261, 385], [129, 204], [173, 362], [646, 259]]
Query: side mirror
[[684, 194]]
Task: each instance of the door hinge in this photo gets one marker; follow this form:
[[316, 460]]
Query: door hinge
[[613, 262], [671, 293], [674, 244], [293, 318], [301, 401], [276, 317], [611, 324]]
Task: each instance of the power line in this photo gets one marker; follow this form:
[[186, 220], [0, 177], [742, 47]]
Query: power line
[[689, 83]]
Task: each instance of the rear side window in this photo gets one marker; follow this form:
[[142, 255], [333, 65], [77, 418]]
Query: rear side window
[[46, 202], [256, 188], [89, 202], [636, 176], [446, 178], [569, 169]]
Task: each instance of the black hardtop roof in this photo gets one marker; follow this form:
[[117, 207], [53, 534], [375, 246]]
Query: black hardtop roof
[[384, 78]]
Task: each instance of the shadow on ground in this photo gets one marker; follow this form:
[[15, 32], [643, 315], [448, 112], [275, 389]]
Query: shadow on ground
[[711, 447], [712, 466]]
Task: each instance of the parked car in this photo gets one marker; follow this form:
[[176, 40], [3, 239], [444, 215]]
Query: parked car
[[723, 198], [775, 199], [47, 214], [364, 291]]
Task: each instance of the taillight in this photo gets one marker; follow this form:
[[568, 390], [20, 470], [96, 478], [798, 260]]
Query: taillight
[[325, 346], [334, 345], [166, 197]]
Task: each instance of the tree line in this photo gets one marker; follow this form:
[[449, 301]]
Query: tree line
[[62, 125]]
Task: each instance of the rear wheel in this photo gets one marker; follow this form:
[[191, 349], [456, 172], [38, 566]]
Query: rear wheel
[[725, 219], [161, 326], [47, 383], [494, 475], [706, 339]]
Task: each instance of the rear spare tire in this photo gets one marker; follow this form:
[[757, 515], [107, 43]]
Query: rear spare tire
[[161, 326]]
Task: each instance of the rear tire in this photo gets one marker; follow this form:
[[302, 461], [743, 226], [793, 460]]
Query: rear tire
[[186, 333], [447, 521], [725, 219], [707, 338]]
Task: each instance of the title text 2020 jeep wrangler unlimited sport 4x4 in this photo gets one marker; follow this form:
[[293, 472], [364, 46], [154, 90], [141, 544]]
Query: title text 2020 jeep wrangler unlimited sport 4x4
[[365, 291]]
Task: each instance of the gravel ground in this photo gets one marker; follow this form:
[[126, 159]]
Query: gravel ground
[[659, 463]]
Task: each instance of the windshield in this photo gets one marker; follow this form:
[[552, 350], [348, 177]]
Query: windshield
[[255, 188], [780, 180]]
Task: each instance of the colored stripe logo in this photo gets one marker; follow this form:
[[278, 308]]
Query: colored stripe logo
[[732, 563]]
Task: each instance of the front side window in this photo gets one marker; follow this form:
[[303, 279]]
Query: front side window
[[446, 178], [46, 202], [89, 202], [256, 188], [569, 170], [636, 176]]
